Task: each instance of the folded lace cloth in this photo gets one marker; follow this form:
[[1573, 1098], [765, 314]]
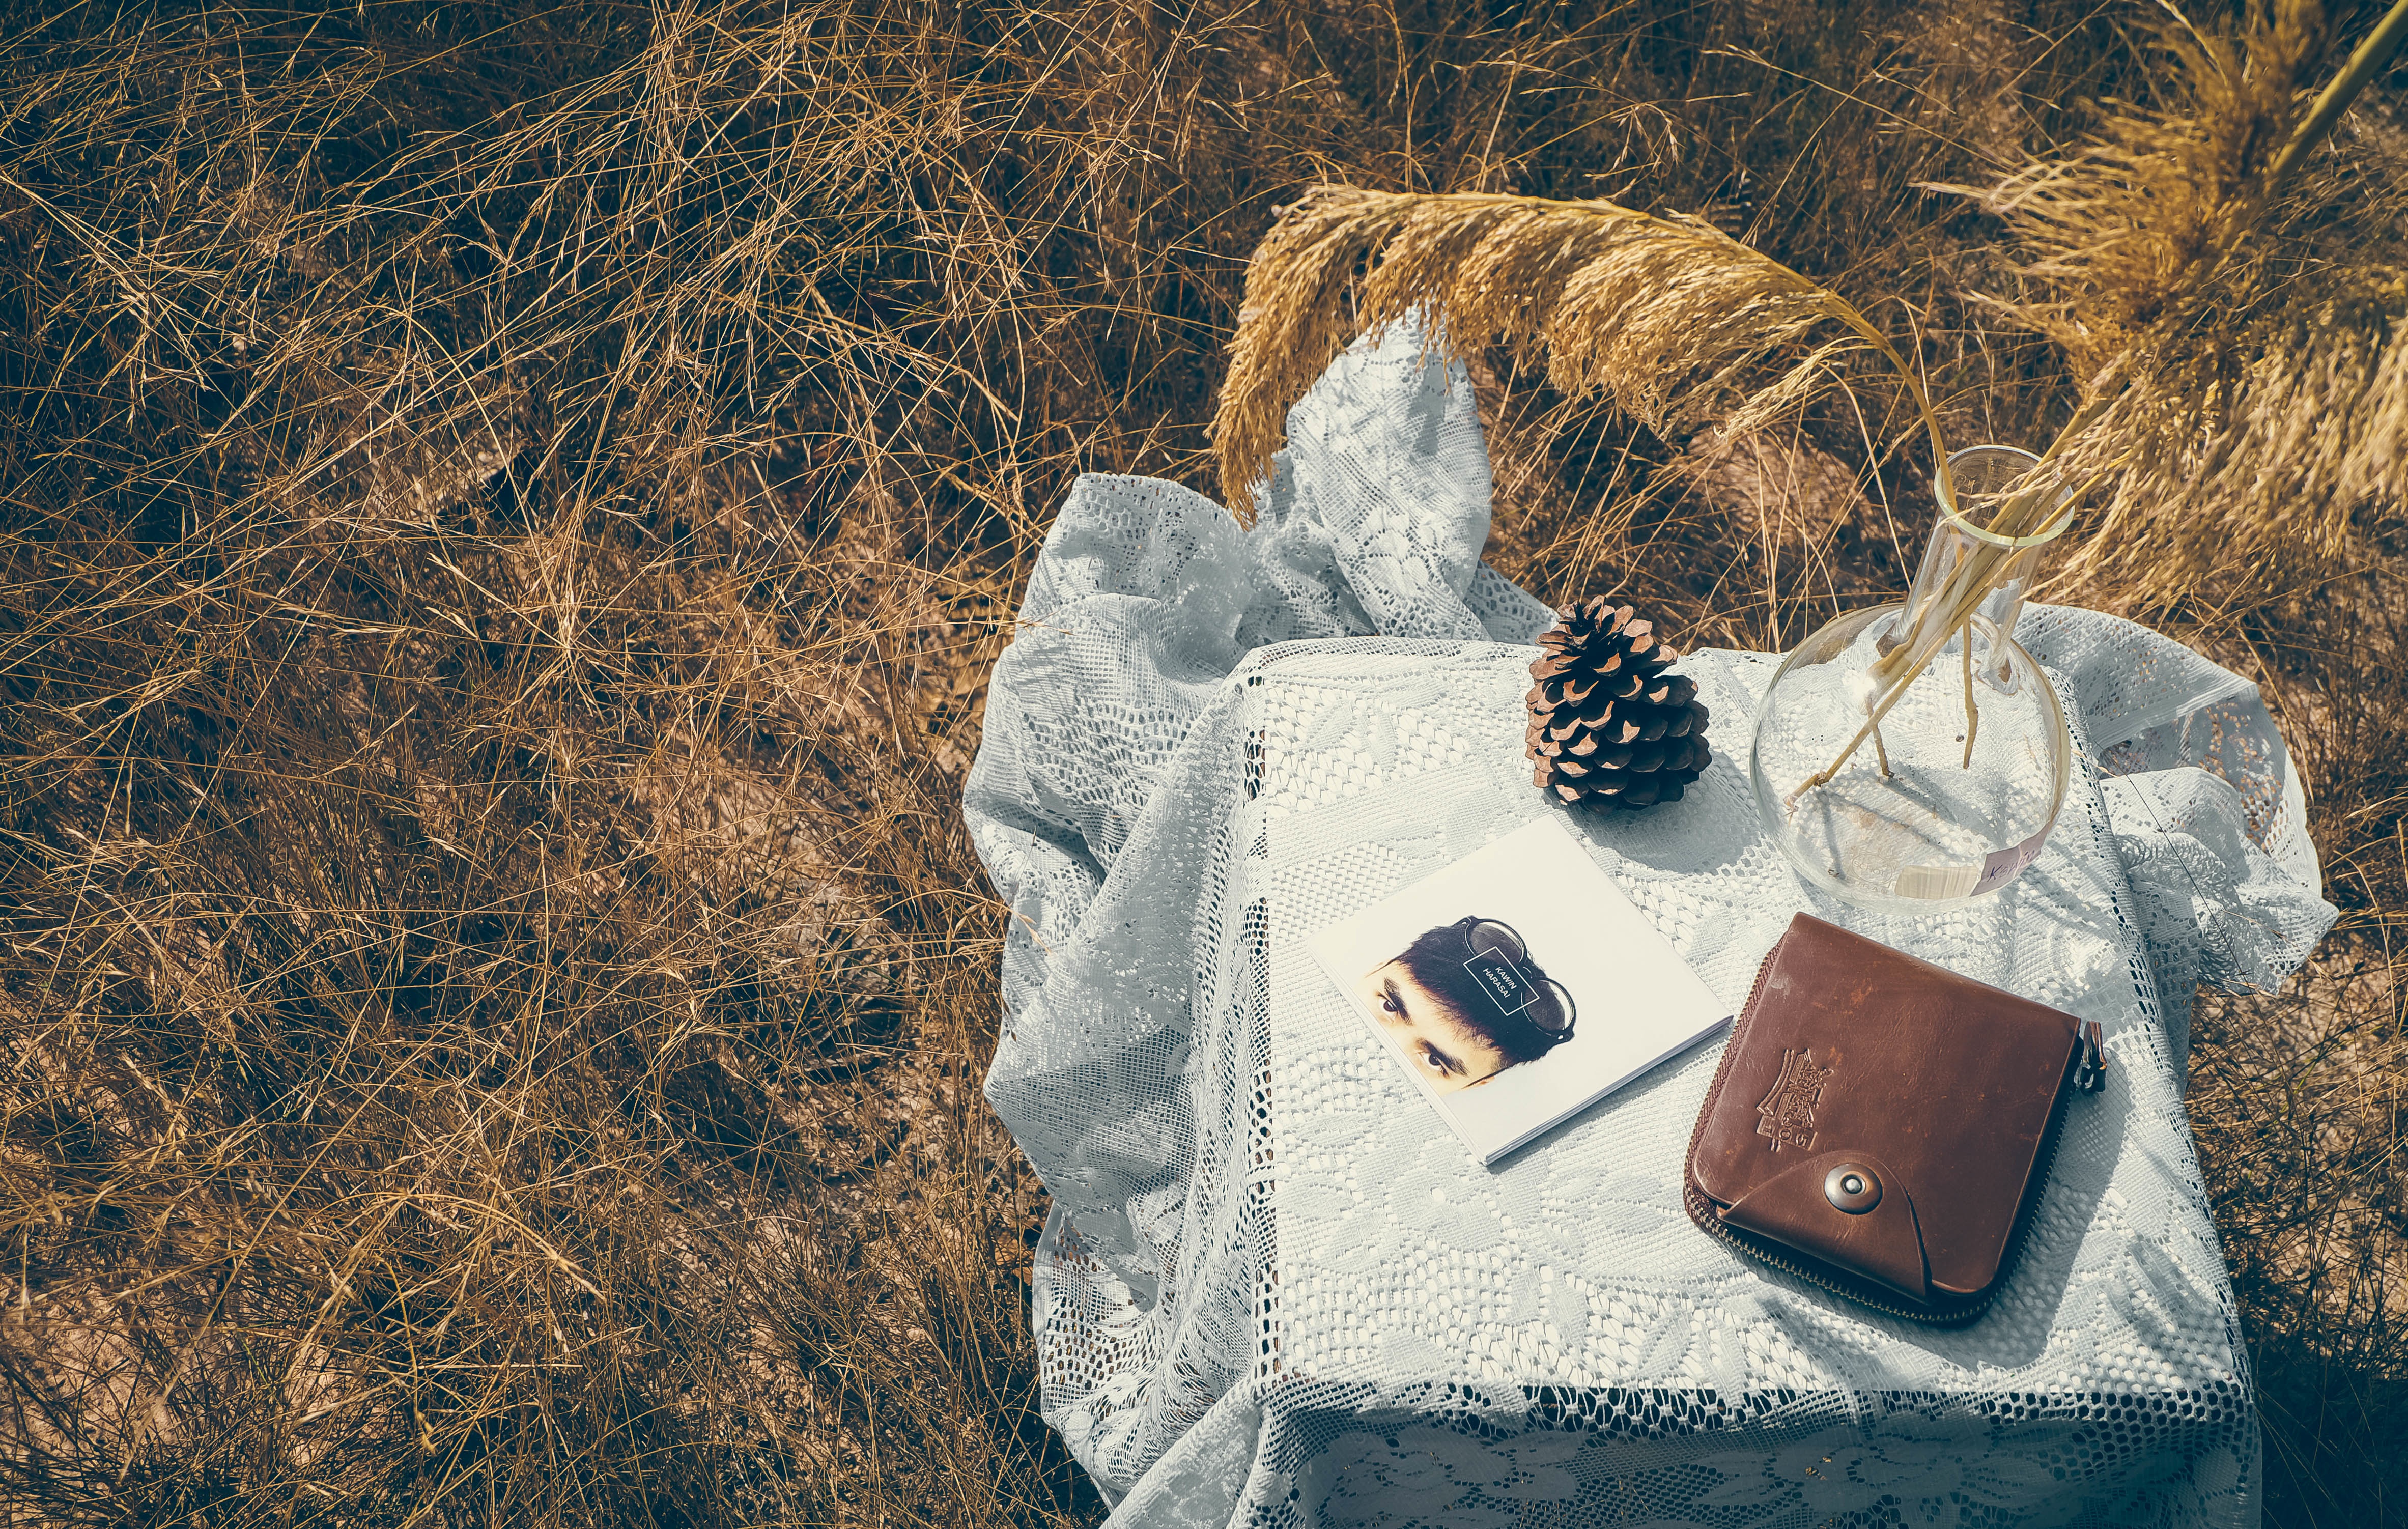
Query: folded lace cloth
[[1272, 1287]]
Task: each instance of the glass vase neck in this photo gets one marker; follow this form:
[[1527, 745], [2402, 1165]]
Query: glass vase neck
[[1972, 577]]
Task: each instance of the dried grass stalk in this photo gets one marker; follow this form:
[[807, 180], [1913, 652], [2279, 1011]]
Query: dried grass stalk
[[2234, 300], [1673, 318], [2149, 235], [2151, 238], [2159, 238], [410, 866]]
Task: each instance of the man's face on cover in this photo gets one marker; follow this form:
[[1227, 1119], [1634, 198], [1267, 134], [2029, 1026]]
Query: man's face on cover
[[1445, 1050]]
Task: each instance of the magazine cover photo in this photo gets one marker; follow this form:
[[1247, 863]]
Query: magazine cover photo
[[1517, 985], [1467, 1000]]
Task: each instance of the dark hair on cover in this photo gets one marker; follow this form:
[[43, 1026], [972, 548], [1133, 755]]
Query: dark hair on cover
[[1435, 960]]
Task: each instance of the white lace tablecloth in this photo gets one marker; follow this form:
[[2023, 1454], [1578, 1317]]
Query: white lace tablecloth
[[1274, 1288]]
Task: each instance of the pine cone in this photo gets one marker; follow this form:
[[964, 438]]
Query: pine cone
[[1606, 724]]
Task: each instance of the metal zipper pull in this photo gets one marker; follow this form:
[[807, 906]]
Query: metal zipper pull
[[2091, 1067]]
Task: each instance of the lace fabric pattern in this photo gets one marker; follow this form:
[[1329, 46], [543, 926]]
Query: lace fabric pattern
[[1274, 1288]]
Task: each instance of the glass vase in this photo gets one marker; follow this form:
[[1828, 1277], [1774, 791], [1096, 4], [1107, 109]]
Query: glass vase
[[1912, 757]]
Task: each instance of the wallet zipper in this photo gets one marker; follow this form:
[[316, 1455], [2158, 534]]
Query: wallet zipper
[[1715, 1226]]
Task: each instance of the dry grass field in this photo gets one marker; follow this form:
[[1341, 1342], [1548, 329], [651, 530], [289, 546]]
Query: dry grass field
[[505, 511]]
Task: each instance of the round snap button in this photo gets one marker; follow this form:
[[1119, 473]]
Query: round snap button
[[1852, 1186]]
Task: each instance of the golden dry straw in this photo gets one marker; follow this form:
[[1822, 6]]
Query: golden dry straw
[[2232, 299], [504, 519], [1675, 320], [2160, 232]]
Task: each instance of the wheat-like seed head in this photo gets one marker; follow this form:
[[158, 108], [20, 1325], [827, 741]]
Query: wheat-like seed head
[[2259, 449], [2240, 332], [2135, 226], [1671, 317]]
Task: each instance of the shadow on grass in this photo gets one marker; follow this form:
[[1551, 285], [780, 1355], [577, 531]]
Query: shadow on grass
[[2336, 1439]]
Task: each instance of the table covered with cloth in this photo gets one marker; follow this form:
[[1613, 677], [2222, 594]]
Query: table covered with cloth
[[1274, 1288]]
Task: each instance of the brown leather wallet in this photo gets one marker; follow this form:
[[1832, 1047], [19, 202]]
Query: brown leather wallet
[[1880, 1125]]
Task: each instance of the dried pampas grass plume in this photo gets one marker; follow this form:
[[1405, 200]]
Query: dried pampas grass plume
[[2234, 300], [1672, 317], [2135, 225], [2229, 295], [2254, 391]]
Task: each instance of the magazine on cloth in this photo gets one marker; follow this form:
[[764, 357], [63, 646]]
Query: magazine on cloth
[[1518, 986]]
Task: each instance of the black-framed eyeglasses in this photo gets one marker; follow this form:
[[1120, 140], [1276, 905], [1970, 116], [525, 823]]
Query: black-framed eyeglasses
[[1500, 967]]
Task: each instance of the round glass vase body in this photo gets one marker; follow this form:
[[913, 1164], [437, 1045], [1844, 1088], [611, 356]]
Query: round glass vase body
[[1912, 757]]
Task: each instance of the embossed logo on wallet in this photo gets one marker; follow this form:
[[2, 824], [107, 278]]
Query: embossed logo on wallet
[[1788, 1113]]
